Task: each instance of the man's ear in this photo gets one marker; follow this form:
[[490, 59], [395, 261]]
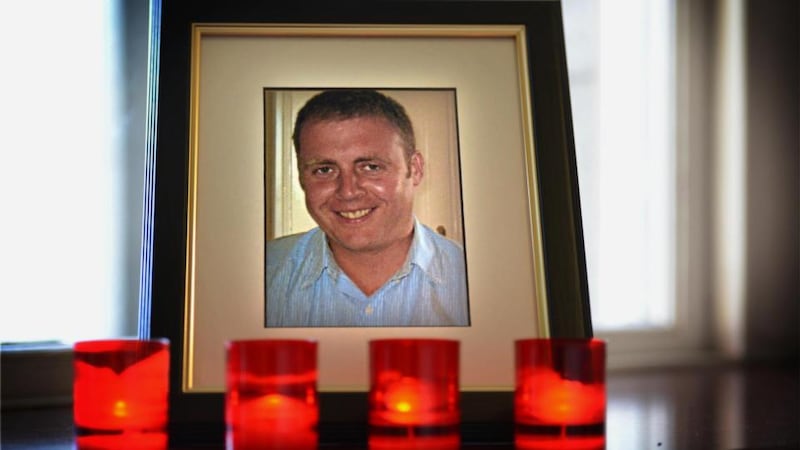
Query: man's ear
[[416, 166]]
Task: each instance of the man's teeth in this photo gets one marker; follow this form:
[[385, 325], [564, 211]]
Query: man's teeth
[[354, 214]]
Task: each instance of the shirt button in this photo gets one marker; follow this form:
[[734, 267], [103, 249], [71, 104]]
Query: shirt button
[[368, 310]]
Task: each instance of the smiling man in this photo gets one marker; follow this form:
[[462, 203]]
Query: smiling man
[[369, 262]]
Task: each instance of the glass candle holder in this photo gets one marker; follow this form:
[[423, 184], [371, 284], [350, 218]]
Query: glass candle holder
[[120, 393], [560, 394], [271, 399], [414, 394]]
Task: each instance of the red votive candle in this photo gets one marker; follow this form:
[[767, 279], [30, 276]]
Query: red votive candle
[[120, 393], [271, 394], [414, 394], [560, 395]]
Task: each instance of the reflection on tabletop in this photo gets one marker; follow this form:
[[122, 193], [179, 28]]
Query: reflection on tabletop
[[686, 409]]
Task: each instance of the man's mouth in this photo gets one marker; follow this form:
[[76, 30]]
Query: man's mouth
[[352, 215]]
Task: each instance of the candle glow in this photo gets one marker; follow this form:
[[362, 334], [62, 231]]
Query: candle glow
[[548, 398], [414, 394], [560, 395], [121, 385], [271, 396], [275, 412], [409, 401], [273, 421], [127, 400]]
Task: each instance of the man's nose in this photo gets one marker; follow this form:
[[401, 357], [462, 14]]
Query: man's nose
[[349, 185]]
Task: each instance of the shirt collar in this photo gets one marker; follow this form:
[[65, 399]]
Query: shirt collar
[[421, 254], [317, 258]]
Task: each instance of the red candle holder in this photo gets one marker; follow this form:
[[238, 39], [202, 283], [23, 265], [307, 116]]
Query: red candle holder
[[560, 395], [271, 395], [414, 394], [120, 393]]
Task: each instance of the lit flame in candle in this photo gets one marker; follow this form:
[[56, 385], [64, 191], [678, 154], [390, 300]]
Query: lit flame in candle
[[273, 421], [410, 395], [120, 408], [273, 400], [548, 397], [403, 406], [411, 401], [279, 412]]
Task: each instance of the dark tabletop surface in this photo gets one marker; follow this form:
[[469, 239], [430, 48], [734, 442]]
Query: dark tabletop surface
[[741, 407]]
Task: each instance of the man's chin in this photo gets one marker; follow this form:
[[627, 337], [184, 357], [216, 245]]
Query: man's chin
[[354, 244], [356, 247]]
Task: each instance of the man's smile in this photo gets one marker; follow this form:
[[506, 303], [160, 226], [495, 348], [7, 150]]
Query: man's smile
[[357, 214]]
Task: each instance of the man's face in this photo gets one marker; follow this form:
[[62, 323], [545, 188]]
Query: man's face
[[358, 186]]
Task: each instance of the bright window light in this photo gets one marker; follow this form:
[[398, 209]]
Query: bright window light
[[621, 58], [61, 172]]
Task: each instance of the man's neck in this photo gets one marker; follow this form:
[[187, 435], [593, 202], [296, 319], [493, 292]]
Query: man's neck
[[371, 270]]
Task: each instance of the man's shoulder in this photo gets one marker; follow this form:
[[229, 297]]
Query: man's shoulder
[[441, 242], [288, 246], [440, 252]]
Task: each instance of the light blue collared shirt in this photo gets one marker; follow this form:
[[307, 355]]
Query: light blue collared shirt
[[306, 288]]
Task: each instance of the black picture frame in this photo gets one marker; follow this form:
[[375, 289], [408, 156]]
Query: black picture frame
[[197, 418]]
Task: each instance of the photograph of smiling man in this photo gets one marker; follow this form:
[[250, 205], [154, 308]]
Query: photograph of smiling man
[[369, 260]]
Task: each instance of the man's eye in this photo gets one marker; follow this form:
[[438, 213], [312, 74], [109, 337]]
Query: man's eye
[[371, 167], [324, 170]]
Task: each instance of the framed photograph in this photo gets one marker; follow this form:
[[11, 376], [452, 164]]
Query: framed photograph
[[217, 173], [435, 203]]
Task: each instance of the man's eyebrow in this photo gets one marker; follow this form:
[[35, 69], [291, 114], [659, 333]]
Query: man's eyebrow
[[317, 162], [330, 162], [370, 158]]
